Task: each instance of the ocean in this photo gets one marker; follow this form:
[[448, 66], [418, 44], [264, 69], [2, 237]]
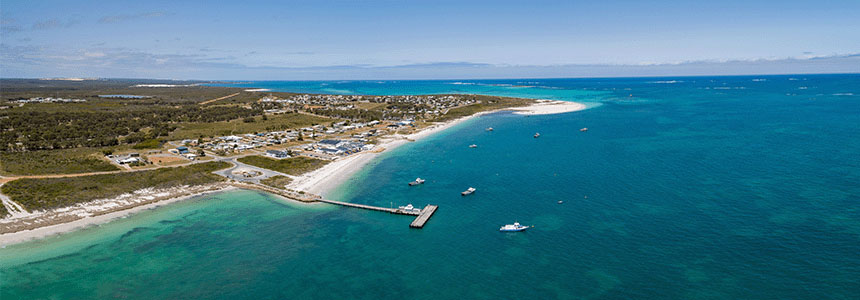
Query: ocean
[[682, 188]]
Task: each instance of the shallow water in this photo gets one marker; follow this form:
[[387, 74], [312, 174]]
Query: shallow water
[[697, 188]]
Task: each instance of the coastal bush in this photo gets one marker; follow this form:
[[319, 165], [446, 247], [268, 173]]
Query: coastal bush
[[487, 103], [69, 161], [293, 166], [278, 181], [273, 123], [3, 211], [148, 144], [46, 193]]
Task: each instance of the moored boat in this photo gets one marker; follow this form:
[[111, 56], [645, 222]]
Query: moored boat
[[410, 208], [584, 129], [417, 181], [514, 227], [537, 135], [473, 146], [469, 191], [489, 128]]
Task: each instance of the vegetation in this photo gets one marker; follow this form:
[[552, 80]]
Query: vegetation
[[278, 181], [148, 144], [3, 211], [69, 161], [46, 193], [272, 123], [487, 103], [39, 130], [293, 166]]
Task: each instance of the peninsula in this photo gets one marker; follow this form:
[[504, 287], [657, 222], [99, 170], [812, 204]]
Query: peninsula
[[69, 164]]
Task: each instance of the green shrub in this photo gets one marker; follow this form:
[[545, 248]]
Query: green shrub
[[292, 166], [46, 193]]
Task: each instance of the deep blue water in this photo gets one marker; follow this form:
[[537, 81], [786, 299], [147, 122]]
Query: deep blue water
[[682, 188]]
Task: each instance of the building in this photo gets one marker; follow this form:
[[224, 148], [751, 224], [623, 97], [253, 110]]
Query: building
[[277, 154]]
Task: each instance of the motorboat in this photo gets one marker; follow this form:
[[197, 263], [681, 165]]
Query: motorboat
[[514, 227], [467, 192]]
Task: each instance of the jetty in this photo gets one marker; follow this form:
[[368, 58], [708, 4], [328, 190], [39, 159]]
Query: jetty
[[422, 216], [395, 211]]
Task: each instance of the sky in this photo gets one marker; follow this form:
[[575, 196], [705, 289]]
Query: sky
[[310, 40]]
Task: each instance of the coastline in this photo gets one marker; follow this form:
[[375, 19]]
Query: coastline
[[322, 182], [42, 224]]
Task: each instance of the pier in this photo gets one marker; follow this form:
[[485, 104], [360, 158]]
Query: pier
[[424, 216], [421, 217]]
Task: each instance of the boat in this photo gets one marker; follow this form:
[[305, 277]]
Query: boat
[[489, 128], [537, 135], [417, 181], [473, 146], [584, 129], [560, 202], [514, 227], [410, 208], [468, 191]]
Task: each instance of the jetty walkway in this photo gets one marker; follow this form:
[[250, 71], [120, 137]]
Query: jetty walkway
[[421, 216]]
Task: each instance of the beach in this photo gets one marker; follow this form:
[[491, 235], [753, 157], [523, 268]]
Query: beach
[[40, 224], [322, 181], [23, 227]]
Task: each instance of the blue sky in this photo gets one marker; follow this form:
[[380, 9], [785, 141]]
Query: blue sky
[[427, 39]]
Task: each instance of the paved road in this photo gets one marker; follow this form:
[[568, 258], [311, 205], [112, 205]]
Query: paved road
[[266, 173]]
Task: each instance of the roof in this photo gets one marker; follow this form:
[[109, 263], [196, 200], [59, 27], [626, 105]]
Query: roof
[[330, 142]]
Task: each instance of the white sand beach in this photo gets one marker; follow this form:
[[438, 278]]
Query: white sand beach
[[547, 107], [42, 224]]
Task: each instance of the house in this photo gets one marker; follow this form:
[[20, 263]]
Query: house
[[182, 149], [277, 154], [329, 143], [128, 160]]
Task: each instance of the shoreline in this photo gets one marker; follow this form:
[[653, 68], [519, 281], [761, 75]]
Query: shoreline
[[328, 178], [323, 181], [63, 220]]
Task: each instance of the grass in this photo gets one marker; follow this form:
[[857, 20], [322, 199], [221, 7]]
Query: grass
[[293, 166], [66, 161], [273, 123], [278, 181], [47, 193]]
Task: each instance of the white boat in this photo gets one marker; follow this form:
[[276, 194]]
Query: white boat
[[537, 135], [489, 128], [417, 181], [468, 191], [514, 227], [584, 129], [410, 208], [473, 146]]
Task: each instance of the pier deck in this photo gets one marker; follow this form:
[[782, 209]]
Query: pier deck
[[424, 216], [370, 207], [421, 216]]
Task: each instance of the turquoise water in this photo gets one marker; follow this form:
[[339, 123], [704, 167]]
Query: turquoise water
[[697, 188]]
